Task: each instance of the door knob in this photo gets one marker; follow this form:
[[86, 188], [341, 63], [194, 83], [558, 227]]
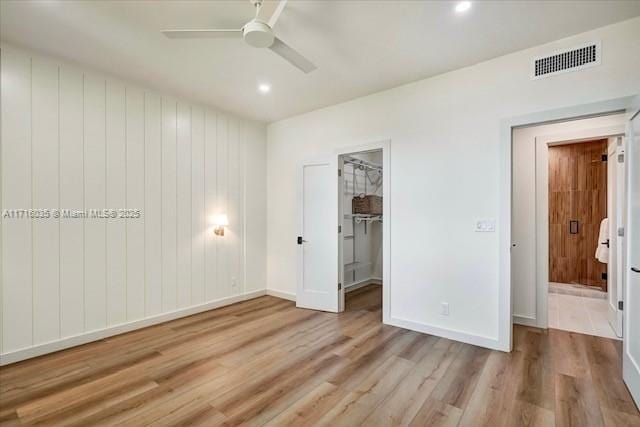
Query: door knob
[[635, 270]]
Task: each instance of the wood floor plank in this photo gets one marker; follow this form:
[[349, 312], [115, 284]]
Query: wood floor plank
[[606, 374], [175, 411], [207, 385], [356, 406], [311, 407], [577, 404], [537, 383], [436, 413], [265, 406], [495, 393], [526, 414], [89, 397], [265, 362], [92, 405], [569, 353], [613, 418], [194, 414], [258, 401], [460, 380], [402, 405]]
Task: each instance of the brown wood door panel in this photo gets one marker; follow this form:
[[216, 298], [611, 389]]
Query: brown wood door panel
[[577, 192]]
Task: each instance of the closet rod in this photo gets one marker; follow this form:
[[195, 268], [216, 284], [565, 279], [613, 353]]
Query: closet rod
[[364, 163]]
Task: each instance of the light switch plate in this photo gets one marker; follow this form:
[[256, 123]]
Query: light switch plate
[[485, 225]]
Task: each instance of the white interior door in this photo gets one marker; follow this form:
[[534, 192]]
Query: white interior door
[[318, 242], [631, 353], [341, 231], [616, 208]]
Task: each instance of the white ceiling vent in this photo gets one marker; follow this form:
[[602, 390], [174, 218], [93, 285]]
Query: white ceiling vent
[[574, 59]]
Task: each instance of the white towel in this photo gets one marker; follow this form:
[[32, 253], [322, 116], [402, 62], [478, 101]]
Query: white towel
[[602, 251]]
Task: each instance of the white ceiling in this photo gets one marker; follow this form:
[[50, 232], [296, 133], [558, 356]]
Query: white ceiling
[[360, 47]]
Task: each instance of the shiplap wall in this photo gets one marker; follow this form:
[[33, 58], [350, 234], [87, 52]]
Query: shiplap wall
[[74, 139]]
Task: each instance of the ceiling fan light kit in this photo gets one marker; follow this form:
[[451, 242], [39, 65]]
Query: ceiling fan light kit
[[256, 33]]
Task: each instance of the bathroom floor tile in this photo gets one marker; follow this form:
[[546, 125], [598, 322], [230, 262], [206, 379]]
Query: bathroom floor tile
[[579, 314]]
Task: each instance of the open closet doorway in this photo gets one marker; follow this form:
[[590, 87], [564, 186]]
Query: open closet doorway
[[361, 199], [327, 263]]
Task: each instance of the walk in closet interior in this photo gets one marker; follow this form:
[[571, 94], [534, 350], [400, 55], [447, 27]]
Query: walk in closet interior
[[362, 207]]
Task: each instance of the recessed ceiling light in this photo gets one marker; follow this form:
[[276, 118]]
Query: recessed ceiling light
[[463, 6], [264, 88]]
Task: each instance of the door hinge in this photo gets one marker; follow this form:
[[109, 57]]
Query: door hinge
[[620, 231], [339, 172], [604, 157], [621, 305], [604, 276], [621, 158], [339, 229], [339, 286]]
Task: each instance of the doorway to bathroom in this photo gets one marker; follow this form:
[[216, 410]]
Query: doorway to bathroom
[[568, 193], [579, 240]]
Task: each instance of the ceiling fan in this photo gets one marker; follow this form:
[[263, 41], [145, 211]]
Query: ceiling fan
[[256, 33]]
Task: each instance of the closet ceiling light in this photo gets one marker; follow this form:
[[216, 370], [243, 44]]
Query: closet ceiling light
[[463, 6]]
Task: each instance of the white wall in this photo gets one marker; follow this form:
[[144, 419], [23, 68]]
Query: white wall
[[75, 139], [529, 218], [445, 174]]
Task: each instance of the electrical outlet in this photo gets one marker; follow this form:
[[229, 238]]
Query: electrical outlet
[[444, 308], [234, 282]]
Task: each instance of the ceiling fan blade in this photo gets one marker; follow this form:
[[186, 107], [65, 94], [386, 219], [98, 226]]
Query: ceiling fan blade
[[276, 15], [293, 57], [202, 34]]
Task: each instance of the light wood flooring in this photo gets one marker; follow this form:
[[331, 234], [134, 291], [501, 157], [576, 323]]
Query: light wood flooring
[[265, 362]]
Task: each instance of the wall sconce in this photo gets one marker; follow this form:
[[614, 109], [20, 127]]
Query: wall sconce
[[219, 223]]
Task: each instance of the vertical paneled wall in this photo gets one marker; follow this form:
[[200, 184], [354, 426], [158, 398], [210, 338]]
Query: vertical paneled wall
[[77, 140]]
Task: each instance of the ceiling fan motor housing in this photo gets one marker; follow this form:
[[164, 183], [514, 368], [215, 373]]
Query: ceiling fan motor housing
[[258, 34]]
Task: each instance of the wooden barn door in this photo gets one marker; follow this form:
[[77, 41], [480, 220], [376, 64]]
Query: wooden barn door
[[577, 205]]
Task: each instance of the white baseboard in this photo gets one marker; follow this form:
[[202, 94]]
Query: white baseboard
[[280, 294], [86, 337], [464, 337], [362, 283]]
